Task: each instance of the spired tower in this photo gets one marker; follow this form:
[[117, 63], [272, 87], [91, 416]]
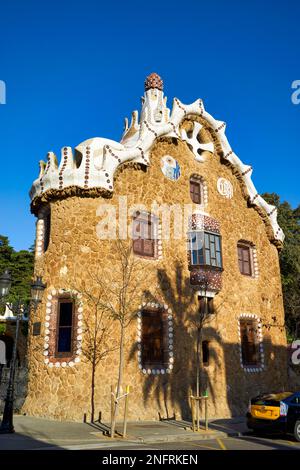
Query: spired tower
[[205, 241]]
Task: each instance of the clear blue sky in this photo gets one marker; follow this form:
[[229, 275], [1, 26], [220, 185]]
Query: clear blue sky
[[75, 69]]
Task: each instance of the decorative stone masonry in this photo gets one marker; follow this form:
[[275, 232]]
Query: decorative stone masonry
[[260, 367], [168, 338], [51, 328]]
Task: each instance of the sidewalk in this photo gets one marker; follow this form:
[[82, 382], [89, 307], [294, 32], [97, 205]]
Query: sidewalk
[[39, 433]]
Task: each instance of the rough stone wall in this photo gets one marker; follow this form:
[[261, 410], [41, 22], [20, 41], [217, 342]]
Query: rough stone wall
[[74, 249], [21, 379]]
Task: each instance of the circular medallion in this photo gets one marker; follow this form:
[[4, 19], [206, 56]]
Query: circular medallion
[[170, 167], [225, 188]]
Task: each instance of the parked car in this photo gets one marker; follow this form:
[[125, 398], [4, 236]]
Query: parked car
[[275, 412]]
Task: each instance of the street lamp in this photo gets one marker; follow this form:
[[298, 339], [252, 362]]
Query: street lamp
[[37, 288], [19, 309]]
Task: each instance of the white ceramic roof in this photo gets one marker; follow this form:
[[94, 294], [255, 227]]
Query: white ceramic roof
[[96, 160]]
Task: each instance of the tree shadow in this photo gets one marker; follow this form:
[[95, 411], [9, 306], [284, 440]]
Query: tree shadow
[[172, 391]]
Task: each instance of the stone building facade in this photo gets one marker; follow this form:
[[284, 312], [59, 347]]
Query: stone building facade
[[220, 254]]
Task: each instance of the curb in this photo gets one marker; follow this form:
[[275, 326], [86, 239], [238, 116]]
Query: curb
[[188, 437]]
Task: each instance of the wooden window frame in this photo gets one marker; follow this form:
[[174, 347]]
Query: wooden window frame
[[150, 219], [66, 354], [150, 362], [246, 360], [206, 250], [241, 262], [193, 183]]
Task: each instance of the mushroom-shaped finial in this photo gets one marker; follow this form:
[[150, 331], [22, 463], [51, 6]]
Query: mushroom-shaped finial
[[154, 81]]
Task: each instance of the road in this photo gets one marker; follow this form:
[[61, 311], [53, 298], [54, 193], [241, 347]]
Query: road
[[228, 443]]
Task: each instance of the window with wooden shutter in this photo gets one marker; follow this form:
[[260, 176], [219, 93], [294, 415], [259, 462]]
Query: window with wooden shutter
[[249, 342], [144, 235], [64, 328], [245, 259], [195, 191], [152, 337]]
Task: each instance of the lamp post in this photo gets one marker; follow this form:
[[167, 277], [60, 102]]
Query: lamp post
[[19, 309]]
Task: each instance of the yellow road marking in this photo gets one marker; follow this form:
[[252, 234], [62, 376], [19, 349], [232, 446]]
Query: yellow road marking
[[291, 443], [199, 445], [221, 443]]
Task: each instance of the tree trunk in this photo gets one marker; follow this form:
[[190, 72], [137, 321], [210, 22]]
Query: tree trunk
[[93, 391], [198, 372], [120, 379]]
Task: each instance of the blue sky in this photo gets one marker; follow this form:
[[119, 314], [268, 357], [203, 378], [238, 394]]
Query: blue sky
[[75, 69]]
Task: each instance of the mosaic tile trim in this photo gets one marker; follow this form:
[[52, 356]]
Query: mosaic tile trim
[[50, 329], [40, 231]]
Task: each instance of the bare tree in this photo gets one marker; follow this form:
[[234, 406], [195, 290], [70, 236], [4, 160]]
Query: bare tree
[[121, 296], [199, 320], [97, 327]]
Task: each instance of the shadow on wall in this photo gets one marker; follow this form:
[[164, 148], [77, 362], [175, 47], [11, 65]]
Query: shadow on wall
[[236, 387]]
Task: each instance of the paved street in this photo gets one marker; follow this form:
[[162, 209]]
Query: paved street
[[227, 434], [229, 443], [218, 444]]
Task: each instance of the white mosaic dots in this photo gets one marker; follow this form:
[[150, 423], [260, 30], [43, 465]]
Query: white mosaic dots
[[50, 299]]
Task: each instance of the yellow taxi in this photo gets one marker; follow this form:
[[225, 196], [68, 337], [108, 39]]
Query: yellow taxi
[[275, 412]]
